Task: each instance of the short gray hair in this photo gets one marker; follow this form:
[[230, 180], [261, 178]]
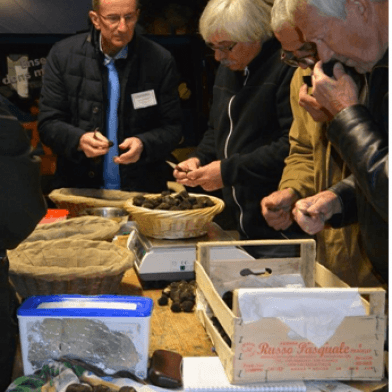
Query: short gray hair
[[328, 8], [97, 3], [242, 20], [279, 15]]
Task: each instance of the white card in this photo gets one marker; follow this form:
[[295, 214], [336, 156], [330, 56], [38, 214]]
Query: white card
[[144, 99]]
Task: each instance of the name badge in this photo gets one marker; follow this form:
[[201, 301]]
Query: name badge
[[144, 99]]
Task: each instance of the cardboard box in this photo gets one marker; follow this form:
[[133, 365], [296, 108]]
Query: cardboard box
[[264, 351], [108, 331]]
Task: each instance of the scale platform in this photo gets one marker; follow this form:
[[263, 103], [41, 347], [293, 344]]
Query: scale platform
[[173, 260]]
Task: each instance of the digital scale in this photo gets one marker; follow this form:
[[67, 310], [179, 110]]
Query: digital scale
[[173, 260]]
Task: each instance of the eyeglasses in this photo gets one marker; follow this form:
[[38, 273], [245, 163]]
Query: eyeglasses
[[223, 49], [114, 20], [296, 62], [308, 60]]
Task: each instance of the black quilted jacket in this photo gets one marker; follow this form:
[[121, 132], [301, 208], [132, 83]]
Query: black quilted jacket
[[73, 101]]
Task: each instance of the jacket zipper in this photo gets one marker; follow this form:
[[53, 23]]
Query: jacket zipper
[[246, 72]]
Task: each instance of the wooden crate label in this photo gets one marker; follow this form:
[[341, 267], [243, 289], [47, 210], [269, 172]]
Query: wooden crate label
[[306, 358]]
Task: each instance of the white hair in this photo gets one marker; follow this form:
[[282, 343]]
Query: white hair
[[328, 8], [241, 20], [279, 15]]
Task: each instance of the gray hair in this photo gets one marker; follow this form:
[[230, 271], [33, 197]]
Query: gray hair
[[97, 3], [328, 8], [242, 20], [279, 15]]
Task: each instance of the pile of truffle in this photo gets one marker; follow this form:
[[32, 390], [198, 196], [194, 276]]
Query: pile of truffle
[[178, 202], [182, 295], [96, 388]]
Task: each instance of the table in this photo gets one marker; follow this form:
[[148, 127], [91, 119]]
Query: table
[[182, 332]]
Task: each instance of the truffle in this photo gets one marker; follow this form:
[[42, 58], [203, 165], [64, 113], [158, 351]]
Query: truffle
[[187, 306], [127, 389], [163, 301], [176, 307], [78, 388]]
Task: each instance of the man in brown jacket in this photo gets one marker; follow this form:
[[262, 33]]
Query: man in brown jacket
[[312, 166]]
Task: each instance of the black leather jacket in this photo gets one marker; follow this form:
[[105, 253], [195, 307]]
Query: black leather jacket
[[360, 134]]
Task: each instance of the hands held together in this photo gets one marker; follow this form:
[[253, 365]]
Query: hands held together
[[191, 174], [94, 144], [281, 208]]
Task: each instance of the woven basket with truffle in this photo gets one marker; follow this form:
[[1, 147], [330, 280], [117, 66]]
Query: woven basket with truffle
[[158, 219], [77, 200], [70, 266]]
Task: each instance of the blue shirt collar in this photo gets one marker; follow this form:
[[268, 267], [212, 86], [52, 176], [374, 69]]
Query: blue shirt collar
[[122, 54]]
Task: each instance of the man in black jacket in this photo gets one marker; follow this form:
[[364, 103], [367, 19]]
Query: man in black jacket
[[355, 33], [243, 150], [22, 206], [74, 103]]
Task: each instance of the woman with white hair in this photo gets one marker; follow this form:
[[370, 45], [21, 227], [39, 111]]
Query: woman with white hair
[[244, 148]]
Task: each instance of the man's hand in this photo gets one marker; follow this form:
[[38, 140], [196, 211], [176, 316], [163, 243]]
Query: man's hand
[[334, 95], [185, 167], [276, 208], [312, 212], [93, 144], [310, 104], [208, 177], [135, 149]]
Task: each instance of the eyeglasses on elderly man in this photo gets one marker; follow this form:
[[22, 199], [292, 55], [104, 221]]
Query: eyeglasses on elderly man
[[307, 60], [224, 49]]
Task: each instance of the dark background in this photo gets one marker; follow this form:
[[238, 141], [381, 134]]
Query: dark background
[[28, 29]]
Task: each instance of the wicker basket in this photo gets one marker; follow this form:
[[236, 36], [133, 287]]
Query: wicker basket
[[174, 224], [68, 267], [84, 227], [76, 200]]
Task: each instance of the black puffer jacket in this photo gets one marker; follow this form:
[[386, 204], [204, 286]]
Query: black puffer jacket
[[360, 134], [73, 101], [248, 132]]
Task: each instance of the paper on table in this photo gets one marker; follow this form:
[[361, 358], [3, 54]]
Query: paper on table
[[313, 313], [203, 374]]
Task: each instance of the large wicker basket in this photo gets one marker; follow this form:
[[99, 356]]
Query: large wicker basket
[[84, 227], [68, 267], [174, 224], [77, 200]]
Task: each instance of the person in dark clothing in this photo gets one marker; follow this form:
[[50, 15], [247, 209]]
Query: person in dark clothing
[[75, 103], [22, 206], [356, 34], [243, 150]]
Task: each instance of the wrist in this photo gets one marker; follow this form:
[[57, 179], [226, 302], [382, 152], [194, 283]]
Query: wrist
[[336, 203], [292, 194]]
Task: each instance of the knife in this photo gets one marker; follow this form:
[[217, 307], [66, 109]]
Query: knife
[[176, 167]]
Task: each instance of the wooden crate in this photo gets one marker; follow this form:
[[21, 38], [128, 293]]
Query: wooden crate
[[263, 351]]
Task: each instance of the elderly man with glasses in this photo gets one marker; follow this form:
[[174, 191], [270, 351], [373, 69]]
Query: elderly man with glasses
[[111, 85], [355, 33], [243, 150], [313, 165]]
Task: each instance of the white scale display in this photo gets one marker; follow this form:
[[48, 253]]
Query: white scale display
[[161, 259]]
